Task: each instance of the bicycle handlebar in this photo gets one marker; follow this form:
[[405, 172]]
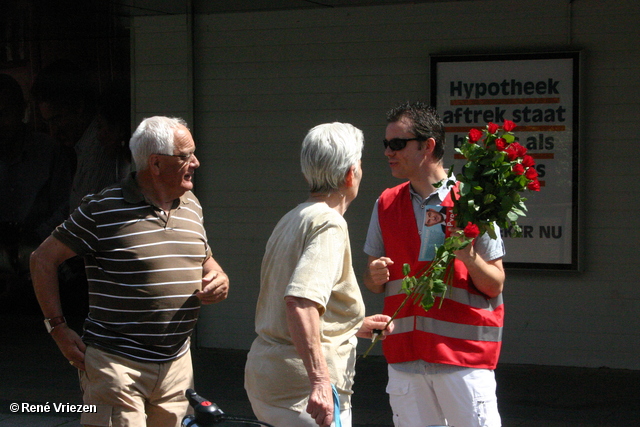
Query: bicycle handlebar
[[207, 413]]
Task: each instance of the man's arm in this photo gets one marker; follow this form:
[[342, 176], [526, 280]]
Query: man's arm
[[303, 319], [376, 275], [488, 276], [44, 275], [215, 283]]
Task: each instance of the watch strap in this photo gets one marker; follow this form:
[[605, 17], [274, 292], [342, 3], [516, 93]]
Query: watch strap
[[52, 322]]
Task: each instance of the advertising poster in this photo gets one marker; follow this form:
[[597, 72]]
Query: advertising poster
[[539, 92]]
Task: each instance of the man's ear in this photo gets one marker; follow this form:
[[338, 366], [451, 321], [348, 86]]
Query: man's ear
[[429, 146], [153, 163]]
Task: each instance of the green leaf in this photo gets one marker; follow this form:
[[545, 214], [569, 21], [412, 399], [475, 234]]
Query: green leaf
[[406, 285], [464, 189], [489, 172], [489, 198], [517, 211], [506, 204], [427, 301], [439, 286]]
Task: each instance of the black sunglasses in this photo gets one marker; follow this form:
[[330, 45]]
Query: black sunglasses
[[397, 144]]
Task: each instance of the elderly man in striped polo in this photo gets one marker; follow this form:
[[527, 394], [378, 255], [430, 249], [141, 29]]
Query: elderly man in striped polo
[[149, 269]]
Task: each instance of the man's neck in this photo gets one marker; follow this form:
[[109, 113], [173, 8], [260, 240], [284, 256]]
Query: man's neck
[[153, 193], [424, 183]]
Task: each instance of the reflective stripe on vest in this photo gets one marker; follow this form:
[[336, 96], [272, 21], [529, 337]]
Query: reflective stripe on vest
[[394, 287], [447, 329]]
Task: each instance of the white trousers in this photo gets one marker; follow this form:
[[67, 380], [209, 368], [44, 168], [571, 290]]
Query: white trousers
[[456, 397]]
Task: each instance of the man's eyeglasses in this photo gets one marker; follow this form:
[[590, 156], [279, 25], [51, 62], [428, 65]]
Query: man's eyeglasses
[[184, 157], [397, 144]]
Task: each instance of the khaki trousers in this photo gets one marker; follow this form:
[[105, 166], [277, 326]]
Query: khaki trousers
[[283, 417], [129, 393]]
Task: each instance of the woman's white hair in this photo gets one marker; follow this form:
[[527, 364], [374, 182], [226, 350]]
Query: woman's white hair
[[154, 135], [328, 152]]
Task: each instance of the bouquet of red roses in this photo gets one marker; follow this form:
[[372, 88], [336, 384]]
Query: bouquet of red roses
[[496, 171]]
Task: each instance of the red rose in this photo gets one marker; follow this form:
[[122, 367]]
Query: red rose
[[492, 128], [517, 149], [534, 185], [508, 125], [531, 173], [511, 152], [501, 144], [518, 169], [471, 231], [527, 161], [474, 135]]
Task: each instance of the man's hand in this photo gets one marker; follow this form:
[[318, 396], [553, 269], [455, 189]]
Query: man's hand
[[44, 265], [215, 287], [70, 345], [488, 276], [377, 274]]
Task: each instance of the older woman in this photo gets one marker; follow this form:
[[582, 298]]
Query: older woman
[[310, 309]]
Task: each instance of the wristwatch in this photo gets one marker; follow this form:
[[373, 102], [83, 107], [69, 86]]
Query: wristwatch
[[53, 322]]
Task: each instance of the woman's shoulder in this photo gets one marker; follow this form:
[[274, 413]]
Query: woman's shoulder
[[321, 213]]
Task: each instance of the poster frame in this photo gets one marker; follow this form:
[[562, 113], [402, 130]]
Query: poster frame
[[436, 60]]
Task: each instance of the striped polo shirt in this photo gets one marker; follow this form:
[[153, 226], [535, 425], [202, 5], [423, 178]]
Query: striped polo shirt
[[143, 268]]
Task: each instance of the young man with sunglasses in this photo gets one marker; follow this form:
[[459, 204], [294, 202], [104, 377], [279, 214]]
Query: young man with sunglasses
[[440, 362]]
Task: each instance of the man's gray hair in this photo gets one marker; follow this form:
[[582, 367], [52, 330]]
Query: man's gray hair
[[328, 152], [154, 135]]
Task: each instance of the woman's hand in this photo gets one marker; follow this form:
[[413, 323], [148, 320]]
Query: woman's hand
[[377, 322], [303, 319], [321, 405]]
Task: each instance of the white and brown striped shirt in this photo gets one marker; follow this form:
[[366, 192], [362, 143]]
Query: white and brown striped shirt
[[143, 268]]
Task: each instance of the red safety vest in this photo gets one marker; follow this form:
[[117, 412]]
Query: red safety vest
[[465, 331]]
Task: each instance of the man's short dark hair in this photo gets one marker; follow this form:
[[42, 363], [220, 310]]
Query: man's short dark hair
[[425, 121]]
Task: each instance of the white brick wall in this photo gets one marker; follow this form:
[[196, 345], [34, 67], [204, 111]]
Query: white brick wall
[[161, 67], [261, 80]]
